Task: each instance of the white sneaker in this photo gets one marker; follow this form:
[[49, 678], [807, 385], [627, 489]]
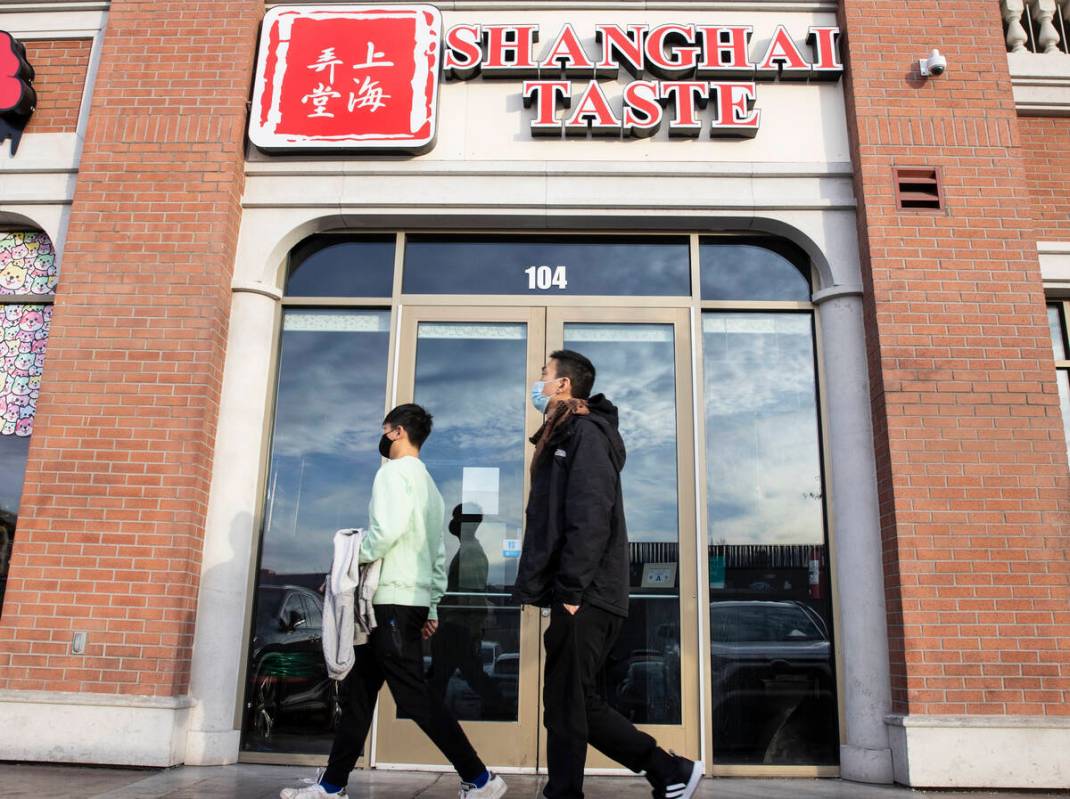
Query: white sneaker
[[494, 788], [681, 782], [311, 790]]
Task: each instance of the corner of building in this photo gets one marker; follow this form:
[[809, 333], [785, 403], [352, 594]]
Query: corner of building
[[965, 752], [61, 727]]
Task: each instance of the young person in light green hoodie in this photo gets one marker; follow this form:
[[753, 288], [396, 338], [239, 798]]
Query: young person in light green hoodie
[[405, 532]]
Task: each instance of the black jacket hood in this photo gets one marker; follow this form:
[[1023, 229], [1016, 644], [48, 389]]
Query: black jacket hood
[[604, 415]]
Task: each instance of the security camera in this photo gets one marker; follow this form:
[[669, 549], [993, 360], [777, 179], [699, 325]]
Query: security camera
[[935, 64]]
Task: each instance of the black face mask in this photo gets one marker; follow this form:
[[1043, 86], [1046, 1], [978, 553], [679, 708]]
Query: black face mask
[[384, 446]]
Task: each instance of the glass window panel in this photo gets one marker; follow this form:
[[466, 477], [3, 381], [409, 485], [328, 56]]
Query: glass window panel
[[27, 264], [22, 363], [1058, 335], [13, 451], [636, 370], [547, 265], [737, 269], [324, 455], [1063, 376], [472, 379], [774, 697], [23, 340], [334, 266]]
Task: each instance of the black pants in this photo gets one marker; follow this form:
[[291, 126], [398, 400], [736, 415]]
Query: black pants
[[394, 654], [575, 713]]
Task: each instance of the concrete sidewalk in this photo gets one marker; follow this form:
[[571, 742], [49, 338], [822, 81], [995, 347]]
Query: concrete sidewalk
[[264, 782]]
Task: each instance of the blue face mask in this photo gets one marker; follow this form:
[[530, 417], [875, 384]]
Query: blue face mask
[[538, 399]]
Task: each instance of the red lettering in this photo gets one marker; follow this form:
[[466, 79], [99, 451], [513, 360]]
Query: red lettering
[[725, 52], [544, 95], [736, 115], [620, 48], [463, 53], [643, 112], [687, 97], [826, 64], [509, 50], [567, 54], [783, 57], [593, 113], [679, 62]]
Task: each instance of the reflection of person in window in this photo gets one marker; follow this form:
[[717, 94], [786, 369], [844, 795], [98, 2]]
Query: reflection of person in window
[[457, 646]]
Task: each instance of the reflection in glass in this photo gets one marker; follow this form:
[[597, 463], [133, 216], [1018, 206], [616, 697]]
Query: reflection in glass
[[774, 698], [547, 265], [636, 370], [324, 455], [1063, 377], [13, 451], [27, 266], [1058, 334], [762, 269], [339, 266], [469, 669], [471, 378]]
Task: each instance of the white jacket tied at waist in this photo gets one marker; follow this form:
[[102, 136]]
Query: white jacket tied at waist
[[348, 617]]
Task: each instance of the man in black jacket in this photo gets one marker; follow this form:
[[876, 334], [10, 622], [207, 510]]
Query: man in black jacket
[[575, 562]]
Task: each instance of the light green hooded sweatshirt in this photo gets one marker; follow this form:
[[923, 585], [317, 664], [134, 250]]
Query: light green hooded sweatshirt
[[405, 531]]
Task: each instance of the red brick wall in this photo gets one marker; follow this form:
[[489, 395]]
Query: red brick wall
[[109, 536], [1046, 148], [971, 458], [60, 67]]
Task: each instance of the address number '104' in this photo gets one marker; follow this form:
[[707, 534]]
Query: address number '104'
[[547, 277]]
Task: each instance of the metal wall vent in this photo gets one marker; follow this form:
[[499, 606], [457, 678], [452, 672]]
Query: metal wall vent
[[918, 188]]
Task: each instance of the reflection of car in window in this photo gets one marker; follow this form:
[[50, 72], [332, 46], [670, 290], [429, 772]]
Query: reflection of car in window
[[643, 676], [507, 666], [465, 702], [743, 622], [288, 674], [772, 678], [646, 691], [506, 675], [488, 653]]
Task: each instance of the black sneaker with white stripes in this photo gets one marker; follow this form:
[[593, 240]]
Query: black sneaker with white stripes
[[679, 780]]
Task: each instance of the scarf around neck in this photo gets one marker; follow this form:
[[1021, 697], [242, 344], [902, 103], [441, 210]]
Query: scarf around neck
[[560, 412]]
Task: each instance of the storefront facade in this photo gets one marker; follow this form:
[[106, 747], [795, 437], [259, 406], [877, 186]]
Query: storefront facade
[[847, 478]]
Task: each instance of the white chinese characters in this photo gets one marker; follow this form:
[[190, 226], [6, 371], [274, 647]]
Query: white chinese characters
[[369, 93], [319, 97]]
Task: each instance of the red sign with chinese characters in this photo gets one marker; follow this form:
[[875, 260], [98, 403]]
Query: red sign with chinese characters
[[347, 76]]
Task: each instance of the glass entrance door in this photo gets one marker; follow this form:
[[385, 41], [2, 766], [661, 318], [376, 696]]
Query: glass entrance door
[[706, 343], [642, 359], [471, 367]]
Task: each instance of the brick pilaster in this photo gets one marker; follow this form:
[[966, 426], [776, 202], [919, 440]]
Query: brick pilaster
[[972, 463], [110, 527]]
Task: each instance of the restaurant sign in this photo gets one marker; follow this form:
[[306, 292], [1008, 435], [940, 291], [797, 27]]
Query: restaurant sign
[[367, 77], [17, 96]]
